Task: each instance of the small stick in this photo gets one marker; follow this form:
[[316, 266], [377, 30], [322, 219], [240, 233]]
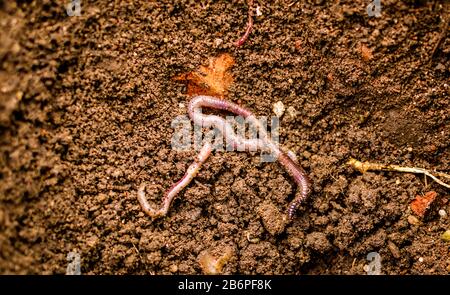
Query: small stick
[[366, 166], [248, 30]]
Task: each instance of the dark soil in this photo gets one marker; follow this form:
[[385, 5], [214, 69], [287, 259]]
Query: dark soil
[[86, 105]]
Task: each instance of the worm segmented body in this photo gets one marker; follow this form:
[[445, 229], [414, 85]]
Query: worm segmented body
[[249, 25], [177, 187], [195, 105]]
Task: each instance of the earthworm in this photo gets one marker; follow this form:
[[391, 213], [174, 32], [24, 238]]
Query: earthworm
[[249, 25], [286, 160], [177, 187]]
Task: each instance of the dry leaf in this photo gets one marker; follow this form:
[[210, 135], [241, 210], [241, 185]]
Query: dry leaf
[[366, 53], [212, 80], [421, 204]]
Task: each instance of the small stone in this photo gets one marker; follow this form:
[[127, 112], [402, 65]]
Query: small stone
[[15, 48], [446, 236], [258, 11], [420, 259], [394, 250], [128, 127], [440, 67], [413, 220], [218, 42], [173, 268], [292, 111], [278, 109], [19, 95], [442, 213]]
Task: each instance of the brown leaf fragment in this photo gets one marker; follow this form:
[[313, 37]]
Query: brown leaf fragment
[[366, 53], [420, 205], [212, 80]]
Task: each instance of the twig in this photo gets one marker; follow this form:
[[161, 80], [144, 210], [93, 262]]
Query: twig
[[366, 166], [249, 25]]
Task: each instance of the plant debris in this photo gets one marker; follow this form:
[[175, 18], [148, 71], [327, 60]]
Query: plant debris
[[211, 265], [366, 166], [413, 220], [212, 80], [366, 53], [278, 109], [446, 236], [421, 205]]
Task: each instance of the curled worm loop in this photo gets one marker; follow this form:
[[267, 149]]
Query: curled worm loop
[[263, 143]]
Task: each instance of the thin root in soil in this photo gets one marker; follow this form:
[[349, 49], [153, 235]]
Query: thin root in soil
[[366, 166]]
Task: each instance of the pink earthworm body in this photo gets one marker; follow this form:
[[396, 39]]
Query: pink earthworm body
[[249, 25], [177, 187], [195, 114]]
